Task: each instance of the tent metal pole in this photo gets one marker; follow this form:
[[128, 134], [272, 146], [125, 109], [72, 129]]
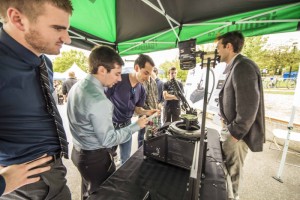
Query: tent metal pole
[[290, 127], [270, 11], [168, 19], [80, 37], [221, 27], [206, 24], [140, 43], [240, 21], [268, 21], [286, 146], [160, 11]]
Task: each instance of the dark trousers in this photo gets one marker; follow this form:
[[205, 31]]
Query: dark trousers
[[95, 166], [171, 114], [52, 185]]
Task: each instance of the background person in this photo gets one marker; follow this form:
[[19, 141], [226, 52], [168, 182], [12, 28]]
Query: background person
[[68, 84], [128, 96], [160, 98], [160, 86], [30, 125], [172, 103], [151, 102], [241, 106], [90, 116]]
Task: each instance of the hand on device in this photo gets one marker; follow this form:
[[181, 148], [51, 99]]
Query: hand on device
[[142, 121]]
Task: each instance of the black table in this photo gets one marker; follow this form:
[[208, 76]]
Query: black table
[[139, 176]]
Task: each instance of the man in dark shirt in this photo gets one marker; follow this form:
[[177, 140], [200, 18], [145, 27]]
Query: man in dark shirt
[[28, 119], [128, 96], [172, 103], [160, 86], [67, 85]]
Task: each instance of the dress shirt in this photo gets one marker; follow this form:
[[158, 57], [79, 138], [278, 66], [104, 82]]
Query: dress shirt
[[90, 115], [27, 131]]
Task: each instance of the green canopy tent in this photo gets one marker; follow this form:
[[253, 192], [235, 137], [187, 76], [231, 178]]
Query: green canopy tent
[[141, 26]]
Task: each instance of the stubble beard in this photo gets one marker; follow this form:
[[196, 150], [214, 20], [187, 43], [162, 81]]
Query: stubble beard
[[38, 44]]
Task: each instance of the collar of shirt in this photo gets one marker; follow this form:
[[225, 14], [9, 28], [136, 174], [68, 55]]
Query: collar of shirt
[[19, 50], [227, 69], [91, 78]]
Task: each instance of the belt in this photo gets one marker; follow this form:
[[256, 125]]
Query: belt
[[56, 157], [78, 149], [121, 125]]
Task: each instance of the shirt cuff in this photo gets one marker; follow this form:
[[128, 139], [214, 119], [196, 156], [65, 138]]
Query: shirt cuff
[[134, 127]]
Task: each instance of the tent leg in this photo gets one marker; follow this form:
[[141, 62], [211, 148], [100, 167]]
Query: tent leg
[[282, 162], [286, 146]]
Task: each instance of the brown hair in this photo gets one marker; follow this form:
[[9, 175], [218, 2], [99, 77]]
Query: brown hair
[[103, 56], [142, 59], [32, 8], [172, 69], [235, 38]]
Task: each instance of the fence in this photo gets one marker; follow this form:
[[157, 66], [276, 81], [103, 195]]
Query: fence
[[273, 82]]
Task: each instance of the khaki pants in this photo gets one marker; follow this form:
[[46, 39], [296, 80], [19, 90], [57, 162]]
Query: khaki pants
[[235, 153]]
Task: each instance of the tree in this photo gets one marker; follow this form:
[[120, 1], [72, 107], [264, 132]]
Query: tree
[[182, 74], [254, 49], [283, 58], [67, 58]]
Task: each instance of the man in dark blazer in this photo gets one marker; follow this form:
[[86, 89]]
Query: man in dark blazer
[[241, 107]]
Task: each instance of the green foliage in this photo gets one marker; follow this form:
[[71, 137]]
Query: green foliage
[[282, 59], [254, 49], [182, 74], [276, 59], [67, 58]]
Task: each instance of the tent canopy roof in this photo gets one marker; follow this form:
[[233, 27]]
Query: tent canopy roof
[[140, 26]]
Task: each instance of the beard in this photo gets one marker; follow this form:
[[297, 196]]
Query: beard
[[39, 44]]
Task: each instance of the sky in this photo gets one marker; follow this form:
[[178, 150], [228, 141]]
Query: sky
[[169, 55]]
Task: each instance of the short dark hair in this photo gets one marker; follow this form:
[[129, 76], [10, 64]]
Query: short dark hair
[[172, 69], [155, 70], [32, 8], [104, 56], [142, 59], [235, 38]]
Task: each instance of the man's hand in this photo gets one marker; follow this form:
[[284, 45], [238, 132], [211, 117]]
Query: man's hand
[[152, 111], [142, 121], [18, 175]]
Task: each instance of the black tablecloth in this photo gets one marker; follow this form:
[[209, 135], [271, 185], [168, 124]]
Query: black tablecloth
[[163, 181]]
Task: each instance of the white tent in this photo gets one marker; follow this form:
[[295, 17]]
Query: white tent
[[79, 73], [58, 76]]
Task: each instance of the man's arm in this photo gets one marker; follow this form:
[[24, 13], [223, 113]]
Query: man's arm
[[168, 96], [142, 111], [103, 127]]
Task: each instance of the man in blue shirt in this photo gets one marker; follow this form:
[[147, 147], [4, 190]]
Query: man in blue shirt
[[28, 128], [128, 96], [90, 116], [160, 87]]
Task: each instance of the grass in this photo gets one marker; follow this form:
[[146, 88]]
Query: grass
[[274, 91]]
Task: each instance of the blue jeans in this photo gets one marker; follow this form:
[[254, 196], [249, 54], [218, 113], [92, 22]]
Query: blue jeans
[[125, 150], [141, 137]]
